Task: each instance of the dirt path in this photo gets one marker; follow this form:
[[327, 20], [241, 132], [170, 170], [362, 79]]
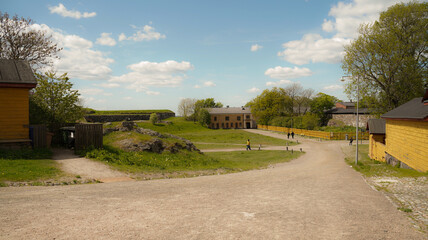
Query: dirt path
[[86, 168], [316, 196]]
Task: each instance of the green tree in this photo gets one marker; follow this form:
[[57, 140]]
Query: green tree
[[310, 121], [204, 103], [270, 104], [204, 118], [389, 58], [154, 118], [55, 100], [320, 103], [18, 41]]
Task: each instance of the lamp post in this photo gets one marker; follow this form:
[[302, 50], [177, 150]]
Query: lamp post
[[357, 121]]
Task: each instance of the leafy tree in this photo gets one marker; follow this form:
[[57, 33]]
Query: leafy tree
[[204, 117], [55, 100], [186, 107], [18, 41], [269, 104], [320, 103], [389, 58], [154, 118], [310, 121], [204, 103]]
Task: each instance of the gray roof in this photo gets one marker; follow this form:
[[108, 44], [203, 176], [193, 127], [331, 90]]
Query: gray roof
[[348, 104], [230, 110], [413, 109], [16, 71], [348, 111], [376, 126]]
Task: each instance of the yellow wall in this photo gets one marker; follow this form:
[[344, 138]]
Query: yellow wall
[[407, 141], [377, 148], [14, 113], [233, 121]]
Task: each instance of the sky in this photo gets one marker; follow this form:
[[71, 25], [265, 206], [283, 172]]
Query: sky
[[128, 54]]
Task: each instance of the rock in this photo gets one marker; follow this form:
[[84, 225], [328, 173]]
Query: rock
[[129, 125]]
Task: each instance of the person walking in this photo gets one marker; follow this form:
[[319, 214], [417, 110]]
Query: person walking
[[292, 135], [248, 145], [288, 135], [350, 141]]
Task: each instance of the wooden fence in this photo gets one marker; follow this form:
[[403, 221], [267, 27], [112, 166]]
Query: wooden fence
[[317, 134], [88, 135], [38, 136]]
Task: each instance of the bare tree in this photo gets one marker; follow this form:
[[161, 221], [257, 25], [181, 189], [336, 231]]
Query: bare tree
[[186, 107], [304, 100], [18, 41], [293, 91]]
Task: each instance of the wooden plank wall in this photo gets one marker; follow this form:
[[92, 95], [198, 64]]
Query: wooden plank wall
[[39, 136], [14, 113], [88, 135]]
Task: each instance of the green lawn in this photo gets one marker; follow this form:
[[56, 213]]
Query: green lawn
[[117, 112], [219, 138], [27, 166], [372, 168]]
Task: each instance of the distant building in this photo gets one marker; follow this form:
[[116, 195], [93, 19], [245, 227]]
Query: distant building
[[346, 113], [16, 79], [231, 117], [407, 134]]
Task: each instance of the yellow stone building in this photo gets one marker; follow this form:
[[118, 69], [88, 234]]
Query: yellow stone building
[[16, 79], [231, 117], [406, 132]]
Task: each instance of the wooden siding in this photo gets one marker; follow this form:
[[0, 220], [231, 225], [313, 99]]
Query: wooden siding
[[407, 141], [377, 148], [88, 135], [14, 113]]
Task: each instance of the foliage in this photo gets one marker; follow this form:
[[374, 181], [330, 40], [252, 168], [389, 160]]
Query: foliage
[[21, 42], [310, 121], [269, 104], [154, 118], [320, 103], [127, 112], [204, 103], [204, 117], [186, 107], [371, 168], [55, 99], [389, 58]]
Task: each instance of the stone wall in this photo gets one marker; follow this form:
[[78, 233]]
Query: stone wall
[[126, 117], [349, 119]]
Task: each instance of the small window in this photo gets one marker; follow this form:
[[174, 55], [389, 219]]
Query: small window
[[227, 118], [215, 119], [248, 116], [239, 118], [231, 125]]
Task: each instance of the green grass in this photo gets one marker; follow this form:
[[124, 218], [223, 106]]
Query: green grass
[[372, 168], [118, 112], [27, 165], [219, 138]]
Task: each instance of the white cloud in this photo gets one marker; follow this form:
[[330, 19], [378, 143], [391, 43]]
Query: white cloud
[[78, 58], [287, 73], [333, 87], [152, 93], [278, 83], [145, 74], [255, 47], [106, 40], [108, 85], [346, 18], [62, 10], [93, 91], [127, 98], [197, 86], [209, 84], [253, 90], [145, 33]]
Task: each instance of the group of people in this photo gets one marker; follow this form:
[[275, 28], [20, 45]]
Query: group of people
[[249, 144]]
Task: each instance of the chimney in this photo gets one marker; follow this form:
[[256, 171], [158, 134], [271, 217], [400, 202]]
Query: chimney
[[425, 98], [227, 106], [242, 107]]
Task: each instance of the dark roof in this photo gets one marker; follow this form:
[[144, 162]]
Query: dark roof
[[348, 104], [348, 111], [230, 110], [376, 126], [413, 109], [16, 72]]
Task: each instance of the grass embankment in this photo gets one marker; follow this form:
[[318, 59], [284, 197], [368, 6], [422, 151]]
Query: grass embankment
[[205, 138], [118, 112], [372, 168], [27, 165]]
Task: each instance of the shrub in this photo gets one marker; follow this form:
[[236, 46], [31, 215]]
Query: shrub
[[154, 118]]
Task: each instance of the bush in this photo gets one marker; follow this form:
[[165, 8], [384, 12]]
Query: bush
[[154, 118], [204, 117], [310, 121]]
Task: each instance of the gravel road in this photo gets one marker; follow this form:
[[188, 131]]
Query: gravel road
[[316, 196]]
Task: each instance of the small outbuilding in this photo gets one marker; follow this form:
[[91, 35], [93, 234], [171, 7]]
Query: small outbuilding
[[407, 134], [376, 128], [16, 80]]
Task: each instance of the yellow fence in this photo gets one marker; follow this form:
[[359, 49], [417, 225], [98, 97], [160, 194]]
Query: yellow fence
[[317, 134]]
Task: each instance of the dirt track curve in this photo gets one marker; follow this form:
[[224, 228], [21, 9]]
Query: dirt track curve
[[316, 196]]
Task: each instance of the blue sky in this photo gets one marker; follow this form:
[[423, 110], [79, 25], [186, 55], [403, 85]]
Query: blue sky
[[151, 54]]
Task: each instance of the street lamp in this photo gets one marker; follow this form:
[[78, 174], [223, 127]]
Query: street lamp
[[357, 122]]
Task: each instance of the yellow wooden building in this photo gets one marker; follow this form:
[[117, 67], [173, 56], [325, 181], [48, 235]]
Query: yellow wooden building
[[406, 131], [16, 79], [231, 117]]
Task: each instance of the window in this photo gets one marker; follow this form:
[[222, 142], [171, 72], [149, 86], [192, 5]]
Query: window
[[240, 124], [215, 119], [227, 125], [227, 118], [222, 125], [239, 118], [247, 117], [231, 125]]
